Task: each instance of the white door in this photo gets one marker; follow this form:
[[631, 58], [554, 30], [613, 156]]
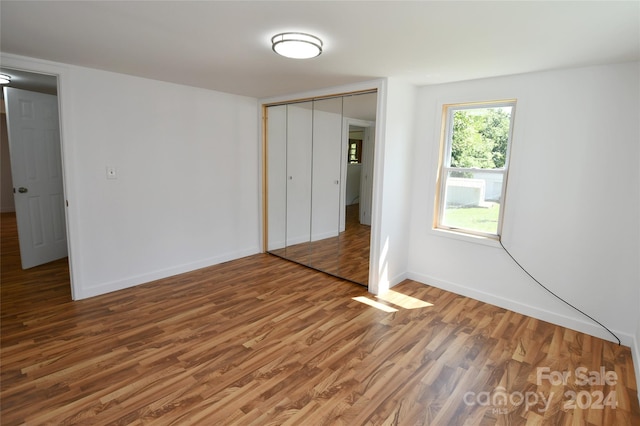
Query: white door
[[36, 166]]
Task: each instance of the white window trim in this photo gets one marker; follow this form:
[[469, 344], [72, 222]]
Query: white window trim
[[443, 170], [491, 241]]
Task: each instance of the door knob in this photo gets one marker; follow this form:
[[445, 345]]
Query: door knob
[[22, 190]]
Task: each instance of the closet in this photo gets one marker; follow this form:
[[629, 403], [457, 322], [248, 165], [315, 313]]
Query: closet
[[308, 219]]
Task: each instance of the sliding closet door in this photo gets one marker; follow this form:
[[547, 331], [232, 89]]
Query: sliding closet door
[[277, 177], [299, 172], [325, 189], [306, 166]]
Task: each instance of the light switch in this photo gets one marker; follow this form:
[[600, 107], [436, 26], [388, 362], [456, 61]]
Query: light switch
[[112, 173]]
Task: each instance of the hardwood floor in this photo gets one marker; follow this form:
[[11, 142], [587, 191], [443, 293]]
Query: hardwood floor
[[345, 256], [264, 341]]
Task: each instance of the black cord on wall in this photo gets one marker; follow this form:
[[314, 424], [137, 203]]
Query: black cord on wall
[[555, 295]]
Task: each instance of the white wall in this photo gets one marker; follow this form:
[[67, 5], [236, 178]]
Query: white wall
[[354, 171], [392, 183], [187, 193], [572, 204], [187, 189]]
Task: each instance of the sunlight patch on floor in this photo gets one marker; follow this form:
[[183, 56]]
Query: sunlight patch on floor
[[375, 304], [404, 301]]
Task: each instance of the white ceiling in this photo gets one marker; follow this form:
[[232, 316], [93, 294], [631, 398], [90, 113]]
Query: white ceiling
[[225, 45]]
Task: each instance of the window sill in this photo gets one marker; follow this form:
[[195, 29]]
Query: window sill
[[474, 239]]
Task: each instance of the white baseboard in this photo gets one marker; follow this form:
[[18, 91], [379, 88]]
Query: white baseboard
[[280, 243], [376, 289], [573, 323], [108, 287], [398, 279], [324, 235]]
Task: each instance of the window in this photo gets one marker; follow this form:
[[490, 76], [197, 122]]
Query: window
[[355, 151], [474, 165]]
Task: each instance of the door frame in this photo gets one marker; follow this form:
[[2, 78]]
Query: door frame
[[61, 73]]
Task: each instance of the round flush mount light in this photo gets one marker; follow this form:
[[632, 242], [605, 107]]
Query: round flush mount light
[[5, 79], [296, 45]]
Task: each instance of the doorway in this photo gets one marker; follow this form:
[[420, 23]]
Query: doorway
[[358, 156], [36, 178]]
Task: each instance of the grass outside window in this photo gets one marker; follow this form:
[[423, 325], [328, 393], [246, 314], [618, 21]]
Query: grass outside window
[[482, 219]]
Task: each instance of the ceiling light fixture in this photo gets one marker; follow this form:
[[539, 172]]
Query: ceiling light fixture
[[296, 45], [5, 79]]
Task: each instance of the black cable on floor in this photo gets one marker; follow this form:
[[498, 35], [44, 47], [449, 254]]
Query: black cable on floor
[[556, 296]]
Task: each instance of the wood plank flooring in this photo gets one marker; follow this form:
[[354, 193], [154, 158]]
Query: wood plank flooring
[[345, 256], [263, 341]]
